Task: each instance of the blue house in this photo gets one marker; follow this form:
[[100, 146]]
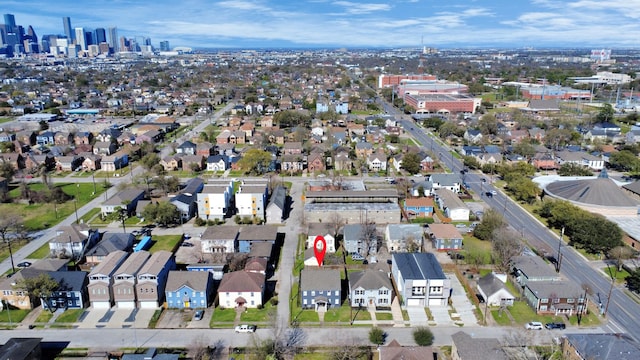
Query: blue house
[[189, 289], [71, 292], [253, 234], [46, 138], [320, 288]]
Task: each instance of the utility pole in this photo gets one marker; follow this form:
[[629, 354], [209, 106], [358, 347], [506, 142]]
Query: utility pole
[[559, 247]]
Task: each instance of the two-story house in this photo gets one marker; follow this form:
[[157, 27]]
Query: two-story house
[[370, 288], [404, 237], [125, 278], [189, 289], [241, 289], [320, 288], [214, 201], [420, 280], [251, 200], [445, 237]]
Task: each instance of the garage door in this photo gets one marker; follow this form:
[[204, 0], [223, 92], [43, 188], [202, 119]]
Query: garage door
[[413, 302], [126, 304], [148, 305], [101, 305]]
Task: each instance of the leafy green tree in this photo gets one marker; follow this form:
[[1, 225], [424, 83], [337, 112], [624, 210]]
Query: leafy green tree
[[525, 149], [624, 160], [470, 162], [488, 124], [423, 336], [447, 129], [150, 160], [595, 234], [291, 118], [255, 161], [377, 336], [571, 169], [411, 163], [524, 189], [7, 170], [606, 113], [39, 287], [163, 213], [491, 221], [633, 280], [433, 122]]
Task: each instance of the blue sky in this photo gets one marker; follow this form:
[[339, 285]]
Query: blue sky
[[342, 23]]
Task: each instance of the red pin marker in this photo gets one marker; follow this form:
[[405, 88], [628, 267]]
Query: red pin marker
[[319, 248]]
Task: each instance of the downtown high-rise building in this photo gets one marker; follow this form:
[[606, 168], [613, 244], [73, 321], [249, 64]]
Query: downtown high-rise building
[[10, 23], [100, 36], [164, 46], [80, 39], [68, 32], [113, 39]]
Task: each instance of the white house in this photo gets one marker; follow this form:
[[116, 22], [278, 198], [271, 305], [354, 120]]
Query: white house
[[214, 201], [377, 162], [494, 291], [241, 288], [251, 200], [451, 205], [325, 230]]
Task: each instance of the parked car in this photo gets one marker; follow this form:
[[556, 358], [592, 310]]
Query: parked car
[[24, 264], [480, 298], [187, 244], [245, 328], [356, 257], [533, 325], [551, 326], [198, 315], [489, 194]]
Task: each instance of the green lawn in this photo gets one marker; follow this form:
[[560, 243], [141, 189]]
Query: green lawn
[[44, 316], [223, 315], [39, 216], [500, 318], [258, 315], [618, 275], [42, 252], [164, 242], [522, 313], [384, 316], [70, 316], [477, 248], [304, 316], [13, 315], [344, 313]]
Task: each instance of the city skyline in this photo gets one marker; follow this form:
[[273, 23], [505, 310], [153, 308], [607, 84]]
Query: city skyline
[[324, 23]]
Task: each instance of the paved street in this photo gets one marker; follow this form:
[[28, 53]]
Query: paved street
[[623, 312]]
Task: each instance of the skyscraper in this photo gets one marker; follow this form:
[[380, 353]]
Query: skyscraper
[[80, 39], [66, 23], [101, 36], [113, 39], [10, 23], [164, 46]]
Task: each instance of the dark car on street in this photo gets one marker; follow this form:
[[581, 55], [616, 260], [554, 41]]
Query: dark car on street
[[552, 326]]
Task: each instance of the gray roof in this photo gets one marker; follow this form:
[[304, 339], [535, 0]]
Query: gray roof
[[111, 242], [599, 191], [50, 264], [605, 346], [555, 289], [533, 266], [196, 280], [124, 195], [110, 263], [279, 197], [470, 348], [258, 232], [19, 348], [405, 231], [369, 280], [69, 280], [418, 266], [222, 232], [446, 179], [490, 284], [156, 262], [451, 200], [320, 279], [133, 264]]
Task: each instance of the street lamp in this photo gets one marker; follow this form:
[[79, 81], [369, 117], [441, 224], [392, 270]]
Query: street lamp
[[13, 268]]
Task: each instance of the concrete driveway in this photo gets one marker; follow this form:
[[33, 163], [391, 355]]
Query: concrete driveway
[[417, 316]]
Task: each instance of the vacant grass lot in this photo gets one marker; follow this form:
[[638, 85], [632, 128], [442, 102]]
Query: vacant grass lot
[[164, 242], [70, 316]]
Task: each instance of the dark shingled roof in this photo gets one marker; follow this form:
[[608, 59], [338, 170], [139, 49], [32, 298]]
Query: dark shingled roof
[[599, 191], [605, 346], [477, 349], [490, 284], [418, 266], [279, 197]]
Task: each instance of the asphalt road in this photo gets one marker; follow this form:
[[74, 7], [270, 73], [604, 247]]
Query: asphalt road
[[623, 312]]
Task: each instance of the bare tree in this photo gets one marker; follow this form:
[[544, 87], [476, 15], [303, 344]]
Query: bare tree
[[582, 307], [368, 237], [199, 349], [413, 244], [620, 254], [505, 244], [10, 222], [337, 222]]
